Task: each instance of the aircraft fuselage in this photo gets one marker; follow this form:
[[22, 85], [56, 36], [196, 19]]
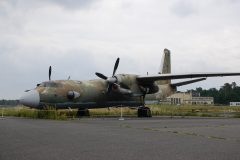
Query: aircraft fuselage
[[86, 94]]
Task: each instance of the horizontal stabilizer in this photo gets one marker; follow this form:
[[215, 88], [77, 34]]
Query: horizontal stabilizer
[[187, 82]]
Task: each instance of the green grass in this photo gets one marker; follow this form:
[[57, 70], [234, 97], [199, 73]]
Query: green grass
[[194, 110], [157, 110], [21, 111], [112, 112]]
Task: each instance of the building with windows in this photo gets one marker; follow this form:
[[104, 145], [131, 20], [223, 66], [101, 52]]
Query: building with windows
[[189, 98], [234, 103]]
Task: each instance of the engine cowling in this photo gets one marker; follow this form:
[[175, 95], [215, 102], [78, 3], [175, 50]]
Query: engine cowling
[[73, 95], [118, 88], [150, 89]]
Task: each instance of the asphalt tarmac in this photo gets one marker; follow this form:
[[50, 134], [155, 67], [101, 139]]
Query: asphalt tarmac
[[111, 139]]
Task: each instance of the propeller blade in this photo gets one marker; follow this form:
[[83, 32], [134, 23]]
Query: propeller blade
[[100, 75], [50, 73], [116, 66]]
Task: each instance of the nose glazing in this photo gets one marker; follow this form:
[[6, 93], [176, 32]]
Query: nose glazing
[[30, 98]]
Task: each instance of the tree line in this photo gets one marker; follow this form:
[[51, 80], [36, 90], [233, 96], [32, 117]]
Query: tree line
[[226, 94], [5, 102]]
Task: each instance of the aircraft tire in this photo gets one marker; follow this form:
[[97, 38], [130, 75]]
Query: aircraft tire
[[144, 112], [83, 113]]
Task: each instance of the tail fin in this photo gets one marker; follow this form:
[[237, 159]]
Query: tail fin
[[165, 66]]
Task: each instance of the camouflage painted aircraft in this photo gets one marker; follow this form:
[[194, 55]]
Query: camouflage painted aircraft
[[127, 90]]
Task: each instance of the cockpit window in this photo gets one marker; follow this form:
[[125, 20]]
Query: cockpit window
[[50, 84]]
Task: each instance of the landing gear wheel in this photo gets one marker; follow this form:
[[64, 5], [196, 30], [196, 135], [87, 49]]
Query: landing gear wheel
[[83, 113], [144, 112]]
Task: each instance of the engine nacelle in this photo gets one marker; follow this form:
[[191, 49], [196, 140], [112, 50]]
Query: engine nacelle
[[118, 88], [150, 89], [73, 95]]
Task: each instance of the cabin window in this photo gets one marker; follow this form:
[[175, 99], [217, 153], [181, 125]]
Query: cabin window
[[50, 84]]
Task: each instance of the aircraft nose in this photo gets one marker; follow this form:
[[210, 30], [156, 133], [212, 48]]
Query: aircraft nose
[[30, 98]]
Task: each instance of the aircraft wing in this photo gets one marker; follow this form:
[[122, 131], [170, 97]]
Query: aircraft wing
[[151, 78]]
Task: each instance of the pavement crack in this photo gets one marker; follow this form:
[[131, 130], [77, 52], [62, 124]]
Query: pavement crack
[[215, 137]]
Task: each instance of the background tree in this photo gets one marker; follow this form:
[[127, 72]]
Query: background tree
[[226, 94]]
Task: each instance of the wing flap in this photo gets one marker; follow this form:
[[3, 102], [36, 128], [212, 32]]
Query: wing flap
[[187, 82]]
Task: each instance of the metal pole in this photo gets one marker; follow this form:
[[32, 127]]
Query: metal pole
[[121, 118]]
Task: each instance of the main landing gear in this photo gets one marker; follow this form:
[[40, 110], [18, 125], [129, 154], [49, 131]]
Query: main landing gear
[[144, 112], [83, 112]]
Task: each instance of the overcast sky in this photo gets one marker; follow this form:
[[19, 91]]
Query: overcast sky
[[80, 37]]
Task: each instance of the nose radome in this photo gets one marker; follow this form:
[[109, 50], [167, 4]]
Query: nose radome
[[30, 98]]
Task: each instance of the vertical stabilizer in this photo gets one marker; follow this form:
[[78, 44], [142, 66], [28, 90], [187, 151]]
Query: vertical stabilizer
[[165, 66]]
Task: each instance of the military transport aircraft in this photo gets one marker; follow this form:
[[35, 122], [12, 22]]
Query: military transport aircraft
[[126, 90]]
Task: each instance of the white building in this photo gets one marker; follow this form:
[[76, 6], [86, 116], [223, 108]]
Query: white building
[[234, 103], [190, 99]]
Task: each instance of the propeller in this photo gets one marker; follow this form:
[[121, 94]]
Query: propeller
[[50, 72], [111, 80]]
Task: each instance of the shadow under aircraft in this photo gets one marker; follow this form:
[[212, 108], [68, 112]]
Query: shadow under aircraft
[[125, 90]]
